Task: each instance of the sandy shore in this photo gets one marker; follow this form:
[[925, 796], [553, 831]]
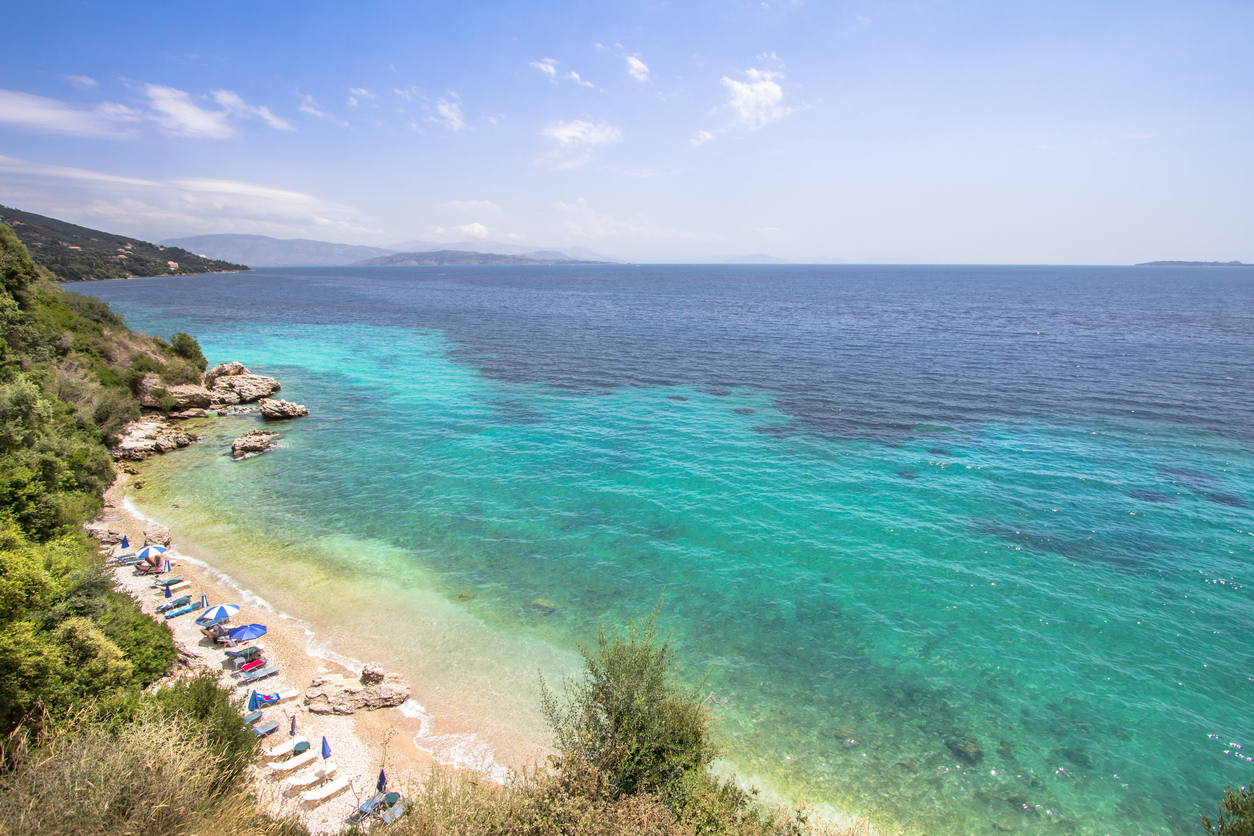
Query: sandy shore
[[361, 744]]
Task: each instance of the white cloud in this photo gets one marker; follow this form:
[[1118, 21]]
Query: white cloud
[[177, 115], [548, 66], [309, 105], [754, 103], [37, 113], [575, 141], [574, 76], [356, 94], [636, 68], [584, 222], [82, 82], [473, 206], [474, 230], [163, 208], [450, 113], [234, 105]]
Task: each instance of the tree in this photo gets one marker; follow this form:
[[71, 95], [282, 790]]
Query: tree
[[1237, 818]]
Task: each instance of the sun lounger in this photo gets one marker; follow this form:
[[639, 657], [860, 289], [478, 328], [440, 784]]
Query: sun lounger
[[118, 558], [392, 813], [201, 622], [266, 728], [375, 803], [287, 747], [287, 695], [251, 718], [180, 585], [296, 762], [325, 791], [146, 568], [253, 664], [183, 610], [247, 651], [175, 603], [253, 676], [168, 581], [313, 776]]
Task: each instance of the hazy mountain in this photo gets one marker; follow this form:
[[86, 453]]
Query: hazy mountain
[[754, 258], [499, 247], [264, 251], [450, 257]]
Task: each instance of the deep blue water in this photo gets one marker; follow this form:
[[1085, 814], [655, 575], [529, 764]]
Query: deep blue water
[[890, 507]]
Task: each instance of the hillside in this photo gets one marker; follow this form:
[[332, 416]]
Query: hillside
[[76, 253], [456, 257], [264, 251]]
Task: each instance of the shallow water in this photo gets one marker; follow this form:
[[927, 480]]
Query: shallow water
[[896, 513]]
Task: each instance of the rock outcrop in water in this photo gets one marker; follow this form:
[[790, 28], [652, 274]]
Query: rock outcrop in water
[[231, 383], [141, 439], [252, 443], [274, 410], [375, 689]]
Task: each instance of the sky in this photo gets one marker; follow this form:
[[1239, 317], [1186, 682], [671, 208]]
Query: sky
[[910, 132]]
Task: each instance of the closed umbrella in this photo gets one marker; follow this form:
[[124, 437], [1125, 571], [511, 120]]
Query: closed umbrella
[[167, 591], [150, 553], [253, 702], [126, 544], [326, 748], [248, 632], [204, 601], [292, 733], [219, 612], [166, 568], [382, 786]]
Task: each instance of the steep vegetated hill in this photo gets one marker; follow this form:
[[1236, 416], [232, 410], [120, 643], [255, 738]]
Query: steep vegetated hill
[[75, 253]]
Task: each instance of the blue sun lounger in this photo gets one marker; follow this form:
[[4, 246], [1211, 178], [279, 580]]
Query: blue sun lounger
[[175, 604], [183, 610], [267, 728], [253, 676], [392, 813], [251, 718]]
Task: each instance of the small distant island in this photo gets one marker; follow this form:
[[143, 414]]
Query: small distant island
[[455, 257], [1192, 264], [76, 253]]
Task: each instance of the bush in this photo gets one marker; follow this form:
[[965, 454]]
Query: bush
[[1237, 817], [201, 701], [186, 346], [147, 643], [629, 720]]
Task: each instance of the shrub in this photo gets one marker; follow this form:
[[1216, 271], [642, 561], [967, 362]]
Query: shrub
[[629, 720], [201, 701], [186, 346], [147, 643], [1237, 817]]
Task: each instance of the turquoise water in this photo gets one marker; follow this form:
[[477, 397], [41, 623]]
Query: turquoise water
[[1019, 562]]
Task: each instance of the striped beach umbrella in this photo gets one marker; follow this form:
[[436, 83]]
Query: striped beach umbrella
[[219, 611], [150, 553]]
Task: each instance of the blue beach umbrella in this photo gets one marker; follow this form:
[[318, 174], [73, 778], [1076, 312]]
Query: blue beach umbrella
[[167, 591], [149, 552], [382, 786], [248, 632], [220, 611], [253, 702], [326, 748], [126, 544]]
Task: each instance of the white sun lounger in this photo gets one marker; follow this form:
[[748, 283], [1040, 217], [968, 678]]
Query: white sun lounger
[[296, 762], [284, 748], [175, 587], [287, 695], [312, 776], [326, 791]]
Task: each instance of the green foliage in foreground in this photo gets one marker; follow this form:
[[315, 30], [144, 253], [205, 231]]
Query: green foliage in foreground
[[1237, 817]]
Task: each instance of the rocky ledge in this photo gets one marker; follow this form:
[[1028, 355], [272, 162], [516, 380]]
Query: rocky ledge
[[140, 439], [272, 410], [253, 443], [225, 385], [376, 688]]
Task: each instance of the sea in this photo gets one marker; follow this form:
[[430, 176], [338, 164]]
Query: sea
[[966, 550]]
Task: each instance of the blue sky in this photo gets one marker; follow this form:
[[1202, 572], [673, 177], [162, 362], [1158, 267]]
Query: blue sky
[[935, 132]]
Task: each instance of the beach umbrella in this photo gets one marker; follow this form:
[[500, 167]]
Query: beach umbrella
[[126, 544], [220, 611], [326, 748], [150, 552], [382, 786], [253, 702], [292, 733], [167, 591], [204, 600], [248, 632], [166, 568]]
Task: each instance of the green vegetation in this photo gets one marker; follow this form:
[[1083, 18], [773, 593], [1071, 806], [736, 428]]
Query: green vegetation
[[1237, 817], [75, 253]]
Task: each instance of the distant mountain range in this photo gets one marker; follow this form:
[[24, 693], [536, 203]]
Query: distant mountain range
[[264, 251], [452, 257], [1192, 264], [754, 258], [77, 253]]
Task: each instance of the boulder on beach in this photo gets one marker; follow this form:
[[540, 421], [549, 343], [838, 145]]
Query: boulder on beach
[[156, 535], [140, 439], [185, 395], [103, 534], [252, 443], [272, 409], [330, 694]]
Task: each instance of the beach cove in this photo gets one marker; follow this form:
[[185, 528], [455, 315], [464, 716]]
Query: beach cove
[[936, 567]]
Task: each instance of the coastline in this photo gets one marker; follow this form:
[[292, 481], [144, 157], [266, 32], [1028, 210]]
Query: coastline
[[361, 743]]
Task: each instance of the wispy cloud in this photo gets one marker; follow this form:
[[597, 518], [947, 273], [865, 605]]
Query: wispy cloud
[[177, 115], [755, 102], [548, 66], [356, 94], [309, 105], [161, 208], [82, 82], [636, 68], [472, 206], [474, 230], [449, 113], [584, 222], [574, 76], [36, 113], [236, 106], [576, 139]]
